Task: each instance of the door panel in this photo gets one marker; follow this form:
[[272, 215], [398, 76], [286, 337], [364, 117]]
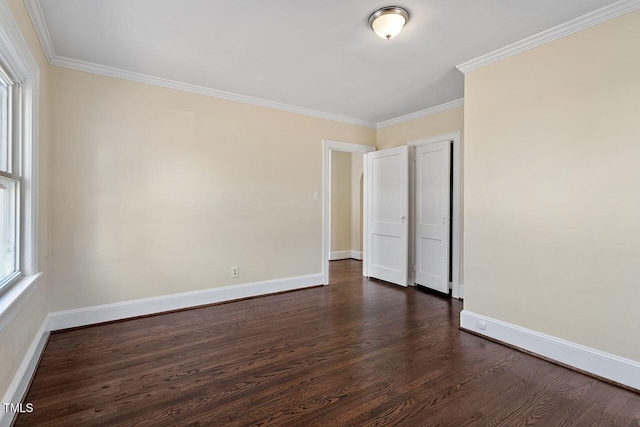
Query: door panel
[[433, 187], [387, 211]]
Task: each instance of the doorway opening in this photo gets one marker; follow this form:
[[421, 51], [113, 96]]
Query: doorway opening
[[345, 239], [342, 201]]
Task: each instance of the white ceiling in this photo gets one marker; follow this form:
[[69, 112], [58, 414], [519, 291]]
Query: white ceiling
[[318, 55]]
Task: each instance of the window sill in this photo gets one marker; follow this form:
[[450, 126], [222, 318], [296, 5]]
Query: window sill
[[13, 299]]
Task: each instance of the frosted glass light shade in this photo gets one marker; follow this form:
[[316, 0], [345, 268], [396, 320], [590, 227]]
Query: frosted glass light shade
[[388, 21]]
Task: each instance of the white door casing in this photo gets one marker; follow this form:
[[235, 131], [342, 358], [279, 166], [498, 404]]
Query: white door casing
[[432, 215], [387, 210]]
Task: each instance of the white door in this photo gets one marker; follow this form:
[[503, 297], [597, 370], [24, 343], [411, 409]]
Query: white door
[[433, 187], [387, 213]]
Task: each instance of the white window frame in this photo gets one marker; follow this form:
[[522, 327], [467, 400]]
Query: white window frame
[[22, 69], [14, 167]]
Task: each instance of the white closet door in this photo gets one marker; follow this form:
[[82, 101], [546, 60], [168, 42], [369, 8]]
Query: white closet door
[[433, 187], [387, 214]]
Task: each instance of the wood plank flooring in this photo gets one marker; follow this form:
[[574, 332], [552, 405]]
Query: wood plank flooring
[[356, 353]]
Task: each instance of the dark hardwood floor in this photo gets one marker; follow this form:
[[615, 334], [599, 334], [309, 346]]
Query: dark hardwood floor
[[356, 353]]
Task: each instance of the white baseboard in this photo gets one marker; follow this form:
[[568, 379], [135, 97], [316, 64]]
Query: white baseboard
[[461, 292], [18, 388], [122, 310], [605, 365], [334, 256]]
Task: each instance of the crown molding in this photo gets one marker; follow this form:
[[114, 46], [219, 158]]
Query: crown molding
[[422, 113], [37, 17], [585, 21], [103, 70]]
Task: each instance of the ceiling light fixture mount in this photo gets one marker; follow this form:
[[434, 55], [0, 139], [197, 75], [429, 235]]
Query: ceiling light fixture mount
[[388, 21]]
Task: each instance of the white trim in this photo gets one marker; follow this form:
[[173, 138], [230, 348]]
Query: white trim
[[461, 296], [39, 22], [103, 70], [456, 214], [18, 388], [327, 146], [422, 113], [15, 297], [585, 21], [23, 70], [30, 173], [337, 255], [605, 365], [141, 307], [37, 17], [15, 47], [40, 25], [365, 223]]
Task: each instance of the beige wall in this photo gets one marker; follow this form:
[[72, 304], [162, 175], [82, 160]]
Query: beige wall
[[356, 202], [424, 127], [552, 188], [157, 191], [340, 201], [16, 338], [346, 201]]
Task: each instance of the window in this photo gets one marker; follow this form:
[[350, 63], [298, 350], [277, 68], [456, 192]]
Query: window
[[9, 185], [19, 94]]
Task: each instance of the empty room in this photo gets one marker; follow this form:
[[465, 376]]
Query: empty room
[[333, 213]]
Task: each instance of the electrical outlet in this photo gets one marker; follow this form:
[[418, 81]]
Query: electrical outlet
[[235, 271], [316, 196]]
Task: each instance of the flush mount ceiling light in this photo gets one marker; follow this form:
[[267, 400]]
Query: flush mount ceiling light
[[388, 21]]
